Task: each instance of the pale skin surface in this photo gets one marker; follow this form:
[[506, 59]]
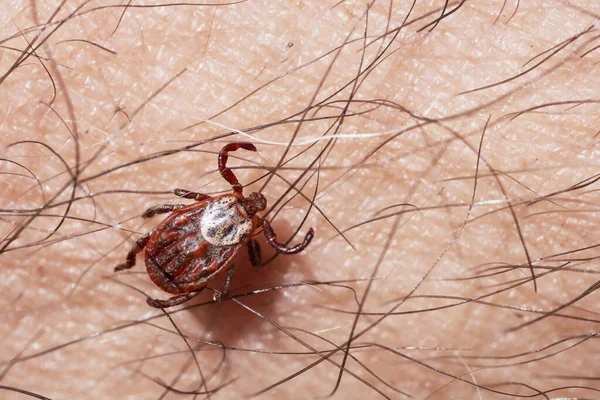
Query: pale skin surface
[[64, 289]]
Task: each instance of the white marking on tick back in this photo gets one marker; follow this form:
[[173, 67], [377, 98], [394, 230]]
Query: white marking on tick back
[[222, 223]]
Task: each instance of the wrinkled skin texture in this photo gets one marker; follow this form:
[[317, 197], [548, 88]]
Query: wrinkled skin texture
[[60, 292]]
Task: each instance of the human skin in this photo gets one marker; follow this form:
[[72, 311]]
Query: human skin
[[72, 328]]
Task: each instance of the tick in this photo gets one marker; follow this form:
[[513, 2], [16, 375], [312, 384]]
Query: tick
[[199, 241]]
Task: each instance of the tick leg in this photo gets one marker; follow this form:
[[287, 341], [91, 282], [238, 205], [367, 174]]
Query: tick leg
[[186, 194], [221, 296], [226, 172], [136, 248], [161, 209], [281, 247], [254, 253], [173, 301]]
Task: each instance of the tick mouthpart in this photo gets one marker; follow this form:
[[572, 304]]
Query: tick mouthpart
[[254, 203]]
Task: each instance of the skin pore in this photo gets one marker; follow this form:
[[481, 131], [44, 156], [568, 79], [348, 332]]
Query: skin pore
[[442, 163]]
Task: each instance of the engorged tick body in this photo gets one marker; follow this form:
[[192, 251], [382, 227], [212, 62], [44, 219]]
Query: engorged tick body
[[199, 241]]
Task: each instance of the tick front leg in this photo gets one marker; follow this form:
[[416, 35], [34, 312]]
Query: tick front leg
[[161, 209], [135, 249], [173, 301], [186, 194], [254, 253], [281, 247], [221, 296], [222, 162]]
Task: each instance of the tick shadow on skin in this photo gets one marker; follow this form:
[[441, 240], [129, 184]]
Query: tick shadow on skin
[[229, 322]]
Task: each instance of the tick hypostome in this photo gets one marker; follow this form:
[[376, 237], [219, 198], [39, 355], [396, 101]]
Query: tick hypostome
[[198, 241]]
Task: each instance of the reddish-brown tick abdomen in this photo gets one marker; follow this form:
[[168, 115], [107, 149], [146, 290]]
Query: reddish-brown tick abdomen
[[179, 259], [197, 242]]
